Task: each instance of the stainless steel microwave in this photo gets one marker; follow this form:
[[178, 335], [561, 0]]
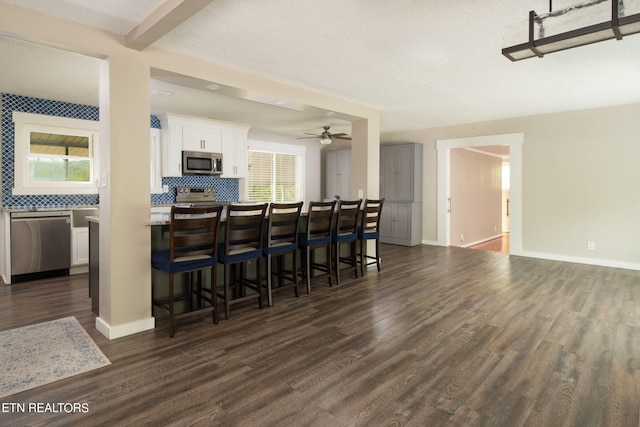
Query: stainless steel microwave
[[200, 163]]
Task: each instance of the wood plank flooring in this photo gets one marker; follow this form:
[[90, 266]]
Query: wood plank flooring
[[440, 337], [501, 244]]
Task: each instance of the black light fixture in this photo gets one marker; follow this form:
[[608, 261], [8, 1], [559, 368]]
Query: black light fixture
[[584, 23]]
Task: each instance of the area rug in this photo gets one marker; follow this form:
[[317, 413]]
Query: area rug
[[40, 354]]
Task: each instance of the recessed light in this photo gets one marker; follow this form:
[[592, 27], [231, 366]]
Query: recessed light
[[213, 87], [330, 113], [280, 102]]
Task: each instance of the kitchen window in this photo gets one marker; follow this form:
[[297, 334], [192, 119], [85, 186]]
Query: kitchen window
[[275, 173], [54, 155]]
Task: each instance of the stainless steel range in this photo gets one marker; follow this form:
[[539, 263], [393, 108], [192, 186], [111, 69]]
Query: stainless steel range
[[195, 196]]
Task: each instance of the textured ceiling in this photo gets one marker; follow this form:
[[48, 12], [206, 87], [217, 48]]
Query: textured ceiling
[[421, 63]]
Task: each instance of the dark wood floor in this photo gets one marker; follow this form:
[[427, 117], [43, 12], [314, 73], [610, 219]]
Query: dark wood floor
[[441, 337], [501, 244]]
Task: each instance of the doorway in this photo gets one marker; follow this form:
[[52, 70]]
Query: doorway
[[444, 147]]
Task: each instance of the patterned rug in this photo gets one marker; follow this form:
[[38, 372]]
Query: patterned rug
[[40, 354]]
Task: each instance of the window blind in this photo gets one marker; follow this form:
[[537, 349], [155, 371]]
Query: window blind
[[273, 177]]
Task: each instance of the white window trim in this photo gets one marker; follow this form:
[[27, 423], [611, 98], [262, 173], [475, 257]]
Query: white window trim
[[278, 148], [23, 124]]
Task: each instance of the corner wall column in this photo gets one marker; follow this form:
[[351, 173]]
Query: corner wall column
[[365, 158], [125, 237]]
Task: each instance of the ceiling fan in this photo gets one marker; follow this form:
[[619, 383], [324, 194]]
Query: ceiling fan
[[326, 137]]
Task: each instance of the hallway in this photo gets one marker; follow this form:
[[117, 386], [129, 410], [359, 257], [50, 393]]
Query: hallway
[[501, 244]]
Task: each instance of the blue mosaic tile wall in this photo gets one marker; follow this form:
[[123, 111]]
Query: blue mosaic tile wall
[[11, 103], [226, 189]]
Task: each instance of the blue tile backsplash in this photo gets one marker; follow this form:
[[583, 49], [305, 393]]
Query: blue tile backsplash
[[226, 189]]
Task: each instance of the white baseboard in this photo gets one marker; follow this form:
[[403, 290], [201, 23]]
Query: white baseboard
[[565, 258], [580, 260], [431, 243], [119, 331], [78, 269], [497, 236]]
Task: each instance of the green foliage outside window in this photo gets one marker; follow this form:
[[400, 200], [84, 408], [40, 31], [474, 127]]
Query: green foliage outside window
[[47, 169]]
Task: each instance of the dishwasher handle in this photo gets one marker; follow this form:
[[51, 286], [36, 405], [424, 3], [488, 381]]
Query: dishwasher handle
[[40, 214], [67, 219]]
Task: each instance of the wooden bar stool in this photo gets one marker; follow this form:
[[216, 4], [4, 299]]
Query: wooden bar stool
[[282, 239], [243, 242], [317, 235], [369, 229], [346, 231], [193, 242]]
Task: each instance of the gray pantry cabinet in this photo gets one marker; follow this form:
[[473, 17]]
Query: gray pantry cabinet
[[401, 186], [338, 174]]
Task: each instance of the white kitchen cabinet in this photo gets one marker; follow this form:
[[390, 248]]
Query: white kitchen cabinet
[[197, 134], [201, 137], [234, 152], [155, 156], [171, 143], [79, 246], [338, 174]]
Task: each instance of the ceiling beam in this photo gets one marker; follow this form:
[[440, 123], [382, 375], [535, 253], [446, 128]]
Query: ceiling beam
[[164, 19]]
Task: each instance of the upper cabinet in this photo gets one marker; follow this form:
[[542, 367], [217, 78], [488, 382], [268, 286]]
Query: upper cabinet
[[338, 176], [171, 141], [197, 134], [156, 161], [201, 137], [401, 172], [234, 152]]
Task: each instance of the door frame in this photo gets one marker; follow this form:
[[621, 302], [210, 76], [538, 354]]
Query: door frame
[[444, 146]]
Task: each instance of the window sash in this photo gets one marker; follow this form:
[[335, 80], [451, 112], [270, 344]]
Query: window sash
[[274, 177], [54, 155]]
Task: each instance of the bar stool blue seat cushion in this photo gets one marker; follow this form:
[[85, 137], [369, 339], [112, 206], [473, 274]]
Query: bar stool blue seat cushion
[[279, 249], [345, 237], [302, 238], [237, 256], [160, 261], [369, 235]]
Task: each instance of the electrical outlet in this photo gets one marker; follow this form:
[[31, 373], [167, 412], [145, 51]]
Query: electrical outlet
[[591, 245], [462, 237], [165, 188]]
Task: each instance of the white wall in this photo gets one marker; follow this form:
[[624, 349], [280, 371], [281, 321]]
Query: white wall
[[580, 182]]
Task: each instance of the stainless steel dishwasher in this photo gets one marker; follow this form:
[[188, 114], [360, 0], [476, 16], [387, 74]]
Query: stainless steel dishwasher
[[40, 242]]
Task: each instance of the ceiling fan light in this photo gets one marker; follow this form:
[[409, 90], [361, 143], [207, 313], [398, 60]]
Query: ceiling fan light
[[325, 140]]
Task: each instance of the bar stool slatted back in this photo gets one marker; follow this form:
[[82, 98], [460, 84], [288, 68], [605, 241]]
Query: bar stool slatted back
[[346, 231], [193, 242], [281, 239], [319, 225], [243, 242], [370, 230]]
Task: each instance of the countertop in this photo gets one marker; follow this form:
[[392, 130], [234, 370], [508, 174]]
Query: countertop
[[12, 209]]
